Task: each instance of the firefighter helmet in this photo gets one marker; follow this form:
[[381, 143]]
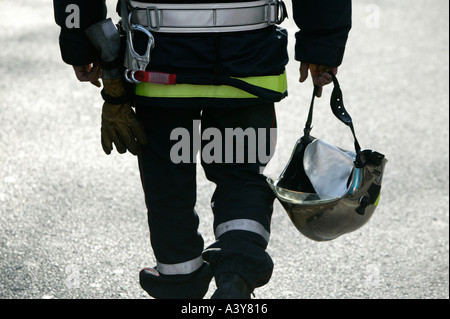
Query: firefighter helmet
[[328, 191]]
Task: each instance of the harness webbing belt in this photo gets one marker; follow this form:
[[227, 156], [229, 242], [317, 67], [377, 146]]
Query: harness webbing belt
[[207, 17]]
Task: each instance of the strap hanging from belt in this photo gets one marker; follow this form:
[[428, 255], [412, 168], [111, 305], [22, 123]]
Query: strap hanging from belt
[[155, 77], [209, 79]]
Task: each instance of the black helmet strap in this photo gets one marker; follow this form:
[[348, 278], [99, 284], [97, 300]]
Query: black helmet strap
[[337, 106]]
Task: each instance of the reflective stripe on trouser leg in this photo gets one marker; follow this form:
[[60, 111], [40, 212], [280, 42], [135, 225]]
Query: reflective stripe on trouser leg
[[242, 224], [184, 268]]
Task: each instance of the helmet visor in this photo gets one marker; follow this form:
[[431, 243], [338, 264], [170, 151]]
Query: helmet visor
[[302, 198]]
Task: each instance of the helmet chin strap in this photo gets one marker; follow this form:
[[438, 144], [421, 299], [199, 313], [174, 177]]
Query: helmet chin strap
[[337, 106], [308, 127]]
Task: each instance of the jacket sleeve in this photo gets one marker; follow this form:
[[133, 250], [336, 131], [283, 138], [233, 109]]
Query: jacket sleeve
[[324, 27], [74, 16]]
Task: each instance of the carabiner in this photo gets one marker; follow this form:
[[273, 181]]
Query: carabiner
[[130, 76], [134, 61]]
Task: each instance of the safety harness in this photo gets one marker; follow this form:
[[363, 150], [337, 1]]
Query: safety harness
[[207, 17], [148, 18]]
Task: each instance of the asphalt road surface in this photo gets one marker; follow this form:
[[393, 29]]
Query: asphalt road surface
[[73, 220]]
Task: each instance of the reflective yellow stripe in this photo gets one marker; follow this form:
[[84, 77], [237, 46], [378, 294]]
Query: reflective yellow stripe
[[378, 200], [276, 83]]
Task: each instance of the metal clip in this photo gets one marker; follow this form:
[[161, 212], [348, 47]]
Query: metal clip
[[150, 19], [277, 12], [134, 61]]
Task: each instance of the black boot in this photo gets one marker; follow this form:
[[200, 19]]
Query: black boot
[[231, 286]]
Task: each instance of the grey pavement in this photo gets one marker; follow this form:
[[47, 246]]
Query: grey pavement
[[73, 220]]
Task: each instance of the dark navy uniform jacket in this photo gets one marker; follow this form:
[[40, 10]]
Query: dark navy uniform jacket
[[323, 31]]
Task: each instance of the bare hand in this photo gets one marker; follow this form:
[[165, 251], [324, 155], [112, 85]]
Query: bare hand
[[89, 73], [319, 75]]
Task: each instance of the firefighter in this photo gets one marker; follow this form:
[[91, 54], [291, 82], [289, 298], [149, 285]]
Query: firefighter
[[211, 67]]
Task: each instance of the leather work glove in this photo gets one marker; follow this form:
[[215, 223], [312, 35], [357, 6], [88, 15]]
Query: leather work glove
[[119, 122]]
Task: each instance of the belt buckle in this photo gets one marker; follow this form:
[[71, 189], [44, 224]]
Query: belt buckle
[[157, 21], [279, 11]]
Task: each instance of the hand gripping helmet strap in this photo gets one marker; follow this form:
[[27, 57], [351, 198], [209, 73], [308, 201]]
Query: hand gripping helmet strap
[[328, 191]]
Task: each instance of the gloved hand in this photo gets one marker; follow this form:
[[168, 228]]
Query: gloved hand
[[119, 122]]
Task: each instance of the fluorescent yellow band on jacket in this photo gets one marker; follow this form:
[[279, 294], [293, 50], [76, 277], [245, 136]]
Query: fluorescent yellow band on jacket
[[276, 83]]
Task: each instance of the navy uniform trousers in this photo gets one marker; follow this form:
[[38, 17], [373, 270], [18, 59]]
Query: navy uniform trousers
[[242, 202]]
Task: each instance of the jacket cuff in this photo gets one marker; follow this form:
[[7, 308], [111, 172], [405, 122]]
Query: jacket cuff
[[76, 49], [314, 53]]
